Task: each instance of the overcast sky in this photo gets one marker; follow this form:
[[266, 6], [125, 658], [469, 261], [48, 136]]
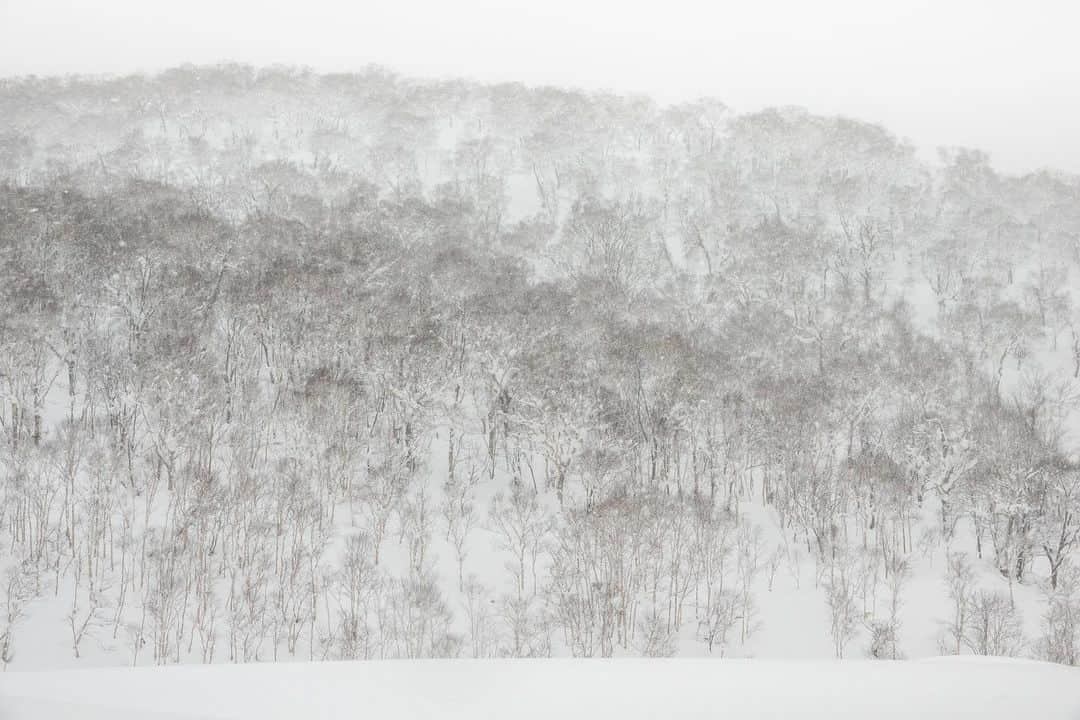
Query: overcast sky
[[1001, 76]]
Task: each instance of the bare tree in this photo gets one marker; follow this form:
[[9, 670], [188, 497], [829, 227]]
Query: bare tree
[[844, 615], [995, 627], [960, 581], [1060, 641]]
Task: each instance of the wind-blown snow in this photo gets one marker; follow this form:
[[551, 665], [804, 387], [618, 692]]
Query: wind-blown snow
[[628, 689]]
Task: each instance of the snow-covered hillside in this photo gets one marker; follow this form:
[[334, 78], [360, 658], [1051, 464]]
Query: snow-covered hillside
[[339, 367]]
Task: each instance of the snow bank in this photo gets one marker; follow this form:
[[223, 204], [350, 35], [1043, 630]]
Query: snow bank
[[548, 689]]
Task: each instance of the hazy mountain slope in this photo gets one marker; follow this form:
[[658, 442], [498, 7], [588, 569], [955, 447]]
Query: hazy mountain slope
[[341, 367]]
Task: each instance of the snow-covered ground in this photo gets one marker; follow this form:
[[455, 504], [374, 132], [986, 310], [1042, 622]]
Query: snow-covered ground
[[627, 689]]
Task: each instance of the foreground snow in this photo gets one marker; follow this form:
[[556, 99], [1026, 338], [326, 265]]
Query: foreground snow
[[564, 689]]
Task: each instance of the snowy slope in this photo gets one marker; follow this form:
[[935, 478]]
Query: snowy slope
[[787, 586], [627, 689]]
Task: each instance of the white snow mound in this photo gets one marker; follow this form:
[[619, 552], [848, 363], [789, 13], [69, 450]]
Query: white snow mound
[[622, 689]]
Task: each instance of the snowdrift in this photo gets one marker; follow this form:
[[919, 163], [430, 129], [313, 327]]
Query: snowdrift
[[622, 689]]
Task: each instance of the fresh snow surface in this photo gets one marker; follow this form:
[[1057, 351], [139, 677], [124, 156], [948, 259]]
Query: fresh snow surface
[[627, 689]]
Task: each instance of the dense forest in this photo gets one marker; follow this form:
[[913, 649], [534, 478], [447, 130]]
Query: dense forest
[[360, 366]]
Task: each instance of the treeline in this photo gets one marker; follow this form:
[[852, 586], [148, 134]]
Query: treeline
[[283, 353]]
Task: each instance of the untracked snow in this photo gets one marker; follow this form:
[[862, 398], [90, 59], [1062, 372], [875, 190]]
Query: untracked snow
[[628, 689]]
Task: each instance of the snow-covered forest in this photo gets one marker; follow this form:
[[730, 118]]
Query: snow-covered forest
[[355, 366]]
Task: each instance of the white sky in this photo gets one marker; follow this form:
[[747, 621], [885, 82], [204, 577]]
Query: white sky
[[1000, 75]]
